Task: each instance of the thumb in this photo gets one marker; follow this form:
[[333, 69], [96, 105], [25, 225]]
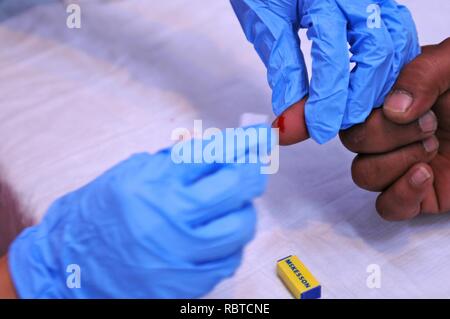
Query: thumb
[[420, 84]]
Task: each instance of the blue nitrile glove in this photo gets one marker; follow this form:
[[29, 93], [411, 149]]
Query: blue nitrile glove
[[147, 228], [337, 98]]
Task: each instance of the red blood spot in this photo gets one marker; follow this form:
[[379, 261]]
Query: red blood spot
[[280, 123]]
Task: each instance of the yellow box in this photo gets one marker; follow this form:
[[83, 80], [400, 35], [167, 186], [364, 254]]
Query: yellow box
[[297, 278]]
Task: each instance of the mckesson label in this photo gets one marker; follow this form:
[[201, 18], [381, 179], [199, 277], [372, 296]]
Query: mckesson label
[[298, 279]]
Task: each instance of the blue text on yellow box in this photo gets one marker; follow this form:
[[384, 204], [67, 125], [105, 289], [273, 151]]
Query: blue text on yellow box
[[297, 278]]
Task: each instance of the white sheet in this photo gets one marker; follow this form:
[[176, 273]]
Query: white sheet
[[74, 102]]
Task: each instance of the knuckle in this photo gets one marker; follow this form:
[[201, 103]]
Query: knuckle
[[421, 68], [391, 215], [431, 64], [433, 69], [445, 43], [386, 212], [381, 208], [353, 137], [412, 154], [362, 173], [368, 137], [442, 111]]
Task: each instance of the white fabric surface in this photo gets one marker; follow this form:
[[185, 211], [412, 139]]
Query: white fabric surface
[[74, 102]]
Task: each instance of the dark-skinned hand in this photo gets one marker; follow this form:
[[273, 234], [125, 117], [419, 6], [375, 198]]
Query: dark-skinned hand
[[404, 148]]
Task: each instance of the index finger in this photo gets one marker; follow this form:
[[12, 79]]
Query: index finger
[[379, 135]]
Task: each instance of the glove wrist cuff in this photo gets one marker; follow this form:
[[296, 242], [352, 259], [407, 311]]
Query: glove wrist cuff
[[28, 269]]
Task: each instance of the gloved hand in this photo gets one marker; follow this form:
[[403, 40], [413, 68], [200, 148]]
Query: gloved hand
[[337, 98], [147, 228]]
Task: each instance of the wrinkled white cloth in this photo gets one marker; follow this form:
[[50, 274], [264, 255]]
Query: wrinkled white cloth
[[75, 101]]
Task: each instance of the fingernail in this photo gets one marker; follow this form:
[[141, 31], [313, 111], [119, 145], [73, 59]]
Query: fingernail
[[398, 101], [430, 144], [420, 176], [428, 122]]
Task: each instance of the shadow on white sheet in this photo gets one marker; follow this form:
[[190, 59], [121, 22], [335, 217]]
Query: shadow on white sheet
[[74, 102]]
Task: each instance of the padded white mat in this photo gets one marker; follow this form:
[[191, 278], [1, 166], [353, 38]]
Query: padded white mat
[[74, 102]]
